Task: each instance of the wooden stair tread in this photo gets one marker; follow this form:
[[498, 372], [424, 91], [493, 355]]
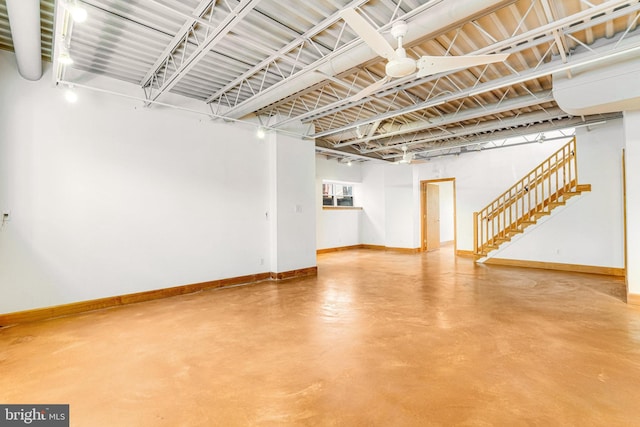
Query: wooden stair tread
[[530, 211], [542, 213]]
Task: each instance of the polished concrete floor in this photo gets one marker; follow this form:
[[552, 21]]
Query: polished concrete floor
[[377, 339]]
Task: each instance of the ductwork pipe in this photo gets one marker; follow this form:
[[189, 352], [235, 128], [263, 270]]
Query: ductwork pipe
[[442, 16], [24, 19]]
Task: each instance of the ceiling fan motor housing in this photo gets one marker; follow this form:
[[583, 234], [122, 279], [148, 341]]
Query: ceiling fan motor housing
[[400, 66]]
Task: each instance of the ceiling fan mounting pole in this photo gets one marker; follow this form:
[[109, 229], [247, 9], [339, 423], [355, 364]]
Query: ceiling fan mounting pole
[[399, 30]]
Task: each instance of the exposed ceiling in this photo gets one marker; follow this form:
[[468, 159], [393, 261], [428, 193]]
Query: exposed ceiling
[[291, 61]]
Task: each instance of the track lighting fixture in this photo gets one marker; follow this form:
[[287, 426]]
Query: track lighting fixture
[[65, 58]]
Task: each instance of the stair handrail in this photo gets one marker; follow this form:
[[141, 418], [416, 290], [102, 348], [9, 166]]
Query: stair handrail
[[537, 182]]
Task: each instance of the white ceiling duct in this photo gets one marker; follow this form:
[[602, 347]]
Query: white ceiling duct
[[24, 20]]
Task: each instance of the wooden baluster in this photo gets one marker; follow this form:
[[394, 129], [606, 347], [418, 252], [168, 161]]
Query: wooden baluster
[[475, 233], [529, 185], [536, 201], [566, 158], [556, 175], [548, 179], [575, 158]]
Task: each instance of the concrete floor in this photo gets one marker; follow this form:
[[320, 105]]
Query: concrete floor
[[380, 339]]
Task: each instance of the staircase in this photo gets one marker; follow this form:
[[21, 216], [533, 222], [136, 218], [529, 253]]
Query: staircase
[[546, 187]]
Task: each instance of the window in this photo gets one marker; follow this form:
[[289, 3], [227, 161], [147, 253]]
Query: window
[[337, 195]]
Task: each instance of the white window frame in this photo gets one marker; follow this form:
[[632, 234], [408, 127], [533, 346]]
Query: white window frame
[[335, 195]]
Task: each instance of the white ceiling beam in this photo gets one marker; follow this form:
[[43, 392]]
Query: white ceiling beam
[[527, 128], [234, 17], [483, 127], [602, 53], [425, 20], [470, 114], [517, 43], [177, 40], [281, 52]]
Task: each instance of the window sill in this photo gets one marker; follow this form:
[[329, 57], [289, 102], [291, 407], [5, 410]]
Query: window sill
[[341, 208]]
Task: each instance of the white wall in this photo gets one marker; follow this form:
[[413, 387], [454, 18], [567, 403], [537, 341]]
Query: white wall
[[338, 228], [399, 207], [295, 235], [374, 203], [632, 154], [589, 229], [482, 176], [108, 198]]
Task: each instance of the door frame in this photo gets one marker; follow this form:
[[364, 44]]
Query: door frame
[[624, 219], [423, 211]]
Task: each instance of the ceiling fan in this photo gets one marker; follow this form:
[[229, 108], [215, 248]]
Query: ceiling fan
[[398, 63], [408, 157]]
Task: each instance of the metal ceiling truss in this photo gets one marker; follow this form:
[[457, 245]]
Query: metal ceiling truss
[[554, 34], [614, 47], [323, 59], [523, 123], [459, 116], [531, 132], [196, 38], [229, 96]]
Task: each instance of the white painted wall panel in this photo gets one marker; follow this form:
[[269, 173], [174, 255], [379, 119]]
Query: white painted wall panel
[[632, 150], [589, 229], [109, 198], [296, 204], [338, 228], [374, 203]]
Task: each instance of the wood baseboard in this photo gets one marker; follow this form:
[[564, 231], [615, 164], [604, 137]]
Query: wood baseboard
[[120, 300], [633, 299], [373, 247], [392, 249], [465, 254], [403, 250], [338, 249], [576, 268], [293, 274]]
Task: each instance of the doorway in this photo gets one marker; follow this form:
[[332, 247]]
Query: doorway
[[437, 213]]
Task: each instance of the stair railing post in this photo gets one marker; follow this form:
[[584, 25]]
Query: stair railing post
[[475, 233], [575, 158]]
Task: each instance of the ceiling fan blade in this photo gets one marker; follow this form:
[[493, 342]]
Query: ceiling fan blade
[[368, 33], [428, 65], [373, 88]]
